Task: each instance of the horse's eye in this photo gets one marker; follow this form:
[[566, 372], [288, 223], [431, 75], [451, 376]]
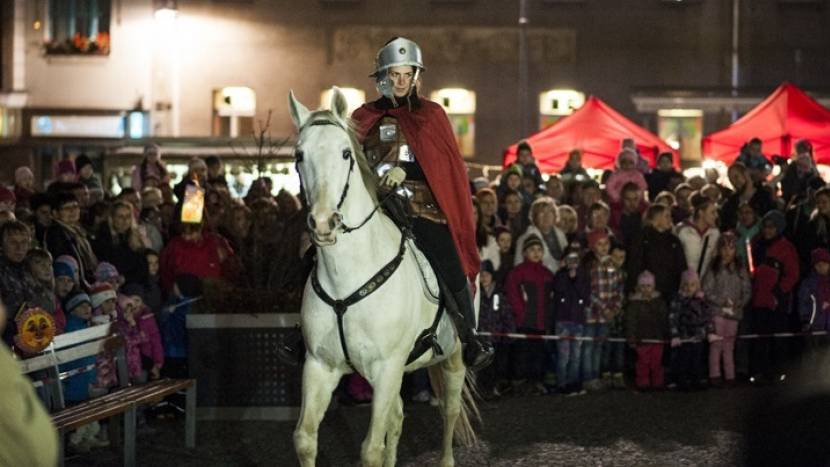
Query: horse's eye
[[347, 153], [298, 155]]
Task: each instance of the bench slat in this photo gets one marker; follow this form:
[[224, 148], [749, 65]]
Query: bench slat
[[117, 402]]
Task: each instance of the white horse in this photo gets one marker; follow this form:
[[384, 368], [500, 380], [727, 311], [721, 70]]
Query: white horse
[[359, 312]]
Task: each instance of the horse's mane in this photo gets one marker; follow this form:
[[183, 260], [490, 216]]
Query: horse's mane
[[370, 178]]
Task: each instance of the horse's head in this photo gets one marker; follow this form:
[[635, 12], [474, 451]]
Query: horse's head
[[326, 154]]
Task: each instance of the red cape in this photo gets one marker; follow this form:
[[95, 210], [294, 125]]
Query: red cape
[[430, 135]]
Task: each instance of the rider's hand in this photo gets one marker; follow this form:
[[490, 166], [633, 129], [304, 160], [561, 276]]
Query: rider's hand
[[393, 178]]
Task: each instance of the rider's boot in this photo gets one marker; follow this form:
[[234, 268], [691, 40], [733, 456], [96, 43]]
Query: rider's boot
[[291, 349], [477, 352]]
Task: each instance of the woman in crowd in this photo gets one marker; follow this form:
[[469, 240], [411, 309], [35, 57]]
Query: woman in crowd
[[543, 225], [658, 250], [119, 242], [698, 234]]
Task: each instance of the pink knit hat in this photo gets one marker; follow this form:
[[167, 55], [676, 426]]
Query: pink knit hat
[[689, 275], [645, 278]]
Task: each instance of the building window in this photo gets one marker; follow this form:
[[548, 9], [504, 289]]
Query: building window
[[460, 105], [682, 129], [78, 27]]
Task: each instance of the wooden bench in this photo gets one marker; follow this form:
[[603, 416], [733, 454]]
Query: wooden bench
[[121, 401]]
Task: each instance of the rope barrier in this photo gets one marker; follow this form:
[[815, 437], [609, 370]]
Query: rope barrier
[[556, 337], [65, 374]]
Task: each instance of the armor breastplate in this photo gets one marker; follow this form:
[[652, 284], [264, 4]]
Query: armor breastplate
[[386, 147]]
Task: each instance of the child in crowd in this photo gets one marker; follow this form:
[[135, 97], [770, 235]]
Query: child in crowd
[[64, 279], [130, 332], [495, 316], [106, 272], [747, 228], [504, 239], [647, 318], [613, 361], [7, 200], [568, 223], [24, 186], [690, 322], [528, 287], [728, 289], [513, 213], [526, 161], [606, 301], [80, 387], [814, 300], [625, 172], [43, 287], [571, 296], [102, 297], [152, 352], [777, 271], [172, 318]]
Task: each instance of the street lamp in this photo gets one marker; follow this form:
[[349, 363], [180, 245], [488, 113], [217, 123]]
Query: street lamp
[[167, 9]]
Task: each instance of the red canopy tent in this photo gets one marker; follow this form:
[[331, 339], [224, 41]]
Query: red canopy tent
[[595, 128], [779, 121]]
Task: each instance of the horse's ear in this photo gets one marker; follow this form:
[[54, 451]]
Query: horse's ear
[[339, 105], [299, 113]]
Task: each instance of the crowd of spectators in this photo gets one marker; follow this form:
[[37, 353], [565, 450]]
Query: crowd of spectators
[[87, 257], [659, 275], [662, 273]]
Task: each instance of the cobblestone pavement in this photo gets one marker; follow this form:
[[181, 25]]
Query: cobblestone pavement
[[618, 428]]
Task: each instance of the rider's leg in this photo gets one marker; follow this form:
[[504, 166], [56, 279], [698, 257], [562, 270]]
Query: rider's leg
[[437, 243]]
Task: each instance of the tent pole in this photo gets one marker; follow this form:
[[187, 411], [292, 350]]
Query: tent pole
[[736, 15], [523, 69]]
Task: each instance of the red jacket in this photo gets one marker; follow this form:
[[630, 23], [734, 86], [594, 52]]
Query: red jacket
[[428, 131], [776, 273], [529, 289], [202, 259]]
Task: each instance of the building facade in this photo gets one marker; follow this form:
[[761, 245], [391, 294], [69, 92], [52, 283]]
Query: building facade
[[72, 68]]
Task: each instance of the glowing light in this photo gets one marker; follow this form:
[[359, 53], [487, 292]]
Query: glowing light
[[560, 101], [455, 100]]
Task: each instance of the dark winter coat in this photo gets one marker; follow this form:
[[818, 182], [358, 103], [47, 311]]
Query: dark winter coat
[[115, 249], [529, 288], [646, 318], [571, 296], [690, 317], [495, 314], [776, 273], [814, 302], [659, 253]]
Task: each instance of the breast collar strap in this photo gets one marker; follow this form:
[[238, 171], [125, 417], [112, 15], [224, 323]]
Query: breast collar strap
[[341, 306]]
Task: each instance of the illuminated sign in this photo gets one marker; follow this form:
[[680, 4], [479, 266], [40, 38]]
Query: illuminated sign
[[78, 126]]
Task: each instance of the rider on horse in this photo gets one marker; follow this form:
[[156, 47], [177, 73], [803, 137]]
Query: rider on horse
[[409, 142]]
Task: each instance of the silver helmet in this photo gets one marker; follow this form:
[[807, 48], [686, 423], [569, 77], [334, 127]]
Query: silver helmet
[[399, 52]]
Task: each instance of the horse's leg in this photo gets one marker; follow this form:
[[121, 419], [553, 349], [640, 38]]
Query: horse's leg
[[387, 387], [319, 381], [453, 371], [393, 434]]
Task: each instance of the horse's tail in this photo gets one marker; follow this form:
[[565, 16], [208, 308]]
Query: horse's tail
[[463, 431]]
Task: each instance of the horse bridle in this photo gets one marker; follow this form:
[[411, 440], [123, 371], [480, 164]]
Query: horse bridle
[[340, 306], [347, 155]]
